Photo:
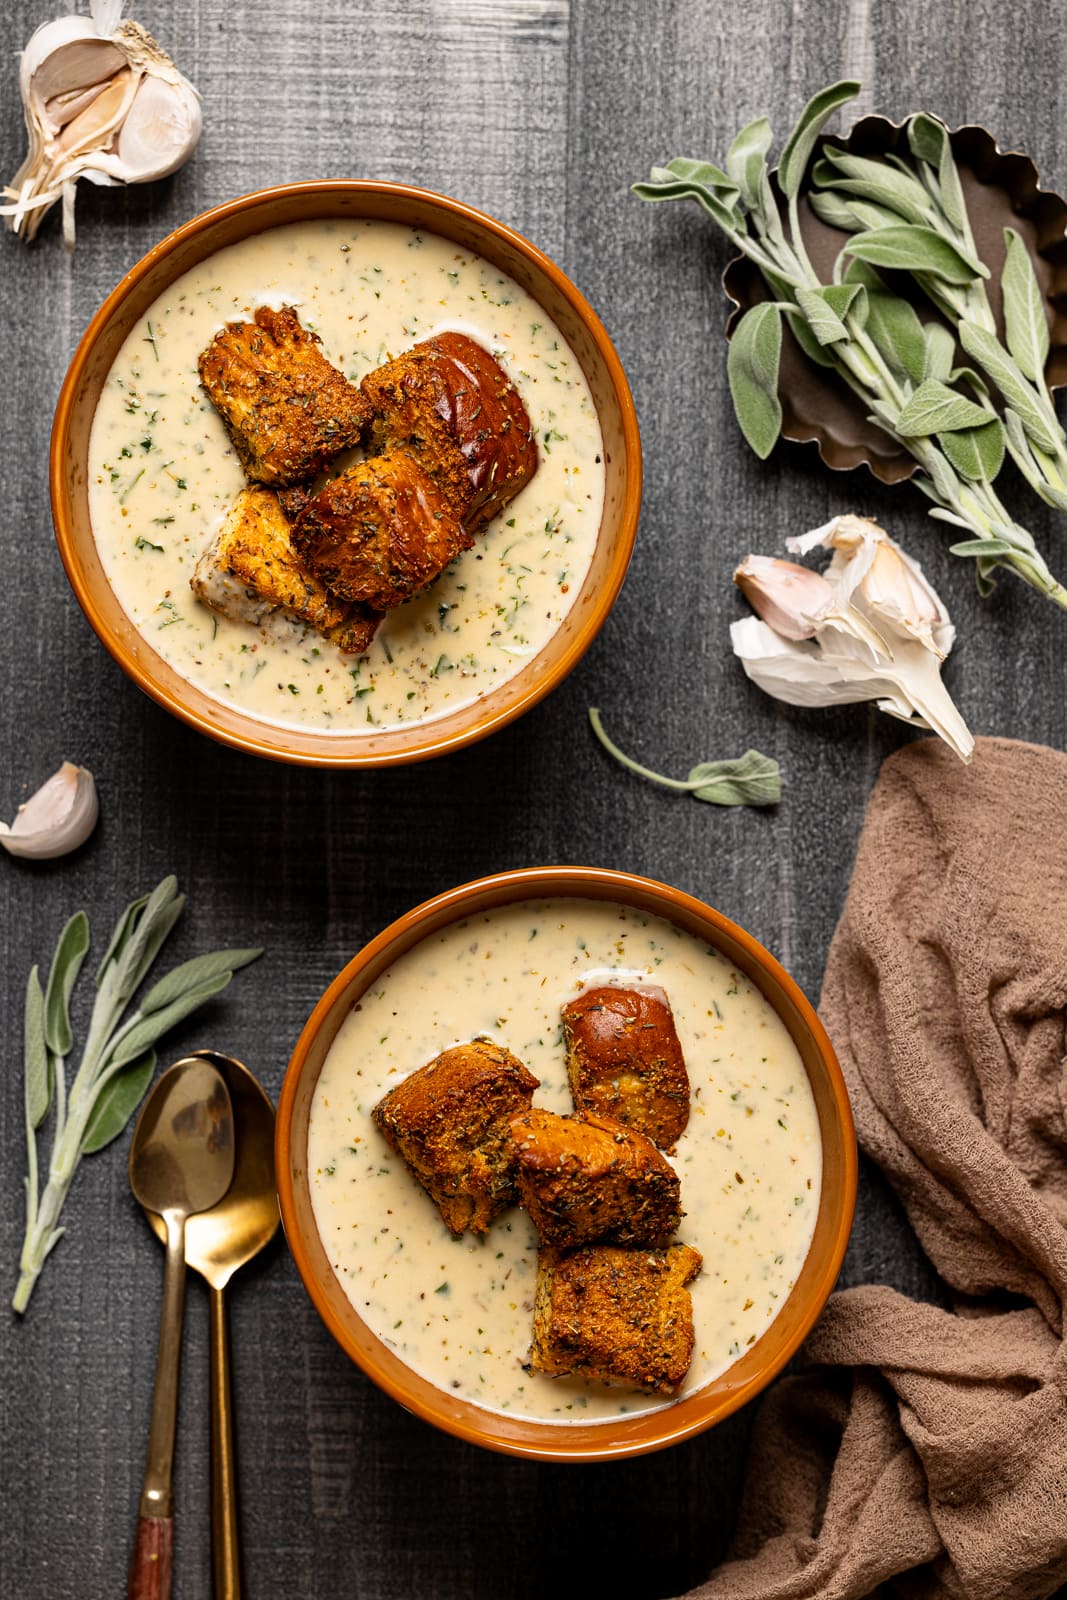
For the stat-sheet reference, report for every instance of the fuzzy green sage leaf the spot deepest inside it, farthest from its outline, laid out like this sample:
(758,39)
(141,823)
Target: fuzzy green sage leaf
(35,1054)
(804,137)
(752,369)
(66,964)
(976,453)
(910,248)
(1025,323)
(749,780)
(935,408)
(117,1102)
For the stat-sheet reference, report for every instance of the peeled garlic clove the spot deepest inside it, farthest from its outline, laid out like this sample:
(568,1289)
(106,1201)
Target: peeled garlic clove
(791,598)
(102,101)
(55,820)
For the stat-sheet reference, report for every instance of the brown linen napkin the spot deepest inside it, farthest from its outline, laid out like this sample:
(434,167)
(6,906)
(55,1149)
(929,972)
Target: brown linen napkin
(926,1454)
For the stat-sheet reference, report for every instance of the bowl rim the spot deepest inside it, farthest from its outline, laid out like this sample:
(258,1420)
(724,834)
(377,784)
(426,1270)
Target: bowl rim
(265,744)
(546,1440)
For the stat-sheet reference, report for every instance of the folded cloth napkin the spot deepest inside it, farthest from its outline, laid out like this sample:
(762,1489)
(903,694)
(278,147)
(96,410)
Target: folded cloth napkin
(926,1452)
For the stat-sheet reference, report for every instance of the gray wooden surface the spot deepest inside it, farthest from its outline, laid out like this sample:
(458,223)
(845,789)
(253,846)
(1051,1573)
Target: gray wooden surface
(541,112)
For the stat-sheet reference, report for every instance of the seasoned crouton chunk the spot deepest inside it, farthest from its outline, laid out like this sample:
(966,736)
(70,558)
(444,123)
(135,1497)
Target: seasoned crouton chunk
(615,1315)
(624,1060)
(449,403)
(379,532)
(251,571)
(587,1178)
(449,1121)
(287,410)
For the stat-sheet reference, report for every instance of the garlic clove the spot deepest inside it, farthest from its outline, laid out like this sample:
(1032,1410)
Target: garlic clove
(103,102)
(791,598)
(57,819)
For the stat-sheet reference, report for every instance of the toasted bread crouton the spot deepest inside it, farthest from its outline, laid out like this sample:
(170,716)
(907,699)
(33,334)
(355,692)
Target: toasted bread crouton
(287,410)
(615,1315)
(586,1178)
(449,1121)
(624,1060)
(379,532)
(448,402)
(251,571)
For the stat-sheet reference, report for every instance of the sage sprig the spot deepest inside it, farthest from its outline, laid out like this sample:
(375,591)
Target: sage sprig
(749,780)
(119,1056)
(898,213)
(902,371)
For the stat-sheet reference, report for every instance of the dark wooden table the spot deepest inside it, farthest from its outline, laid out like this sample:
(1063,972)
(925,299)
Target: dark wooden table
(542,113)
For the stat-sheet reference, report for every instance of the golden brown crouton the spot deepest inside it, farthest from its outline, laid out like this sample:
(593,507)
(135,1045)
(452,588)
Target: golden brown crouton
(616,1316)
(587,1178)
(379,532)
(449,1121)
(251,571)
(624,1060)
(449,403)
(287,410)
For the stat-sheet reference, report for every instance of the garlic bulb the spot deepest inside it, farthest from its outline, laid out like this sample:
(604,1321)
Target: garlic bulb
(869,628)
(103,102)
(55,820)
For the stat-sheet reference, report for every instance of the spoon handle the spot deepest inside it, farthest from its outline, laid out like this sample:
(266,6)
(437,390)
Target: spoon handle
(151,1569)
(224,1547)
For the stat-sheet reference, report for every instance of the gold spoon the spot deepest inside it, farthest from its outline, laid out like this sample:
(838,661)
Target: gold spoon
(181,1162)
(217,1243)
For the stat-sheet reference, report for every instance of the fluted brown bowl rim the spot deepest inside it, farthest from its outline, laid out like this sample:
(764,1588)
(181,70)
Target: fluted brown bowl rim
(194,242)
(519,1436)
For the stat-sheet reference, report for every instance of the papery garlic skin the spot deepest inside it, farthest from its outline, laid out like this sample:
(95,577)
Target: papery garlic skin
(881,636)
(101,101)
(57,819)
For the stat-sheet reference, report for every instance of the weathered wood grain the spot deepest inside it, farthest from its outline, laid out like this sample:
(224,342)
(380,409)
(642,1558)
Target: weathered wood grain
(542,112)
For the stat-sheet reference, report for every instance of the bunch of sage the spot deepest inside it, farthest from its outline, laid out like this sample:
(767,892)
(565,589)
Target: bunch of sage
(749,780)
(901,369)
(118,1059)
(905,215)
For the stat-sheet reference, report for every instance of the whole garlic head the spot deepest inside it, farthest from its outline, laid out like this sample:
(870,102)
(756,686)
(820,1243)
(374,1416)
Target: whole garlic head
(55,820)
(101,101)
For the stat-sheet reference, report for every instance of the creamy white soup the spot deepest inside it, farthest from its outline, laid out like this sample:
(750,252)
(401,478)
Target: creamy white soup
(163,474)
(459,1311)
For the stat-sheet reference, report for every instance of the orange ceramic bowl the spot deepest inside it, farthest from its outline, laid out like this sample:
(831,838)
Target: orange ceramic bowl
(302,202)
(618,1436)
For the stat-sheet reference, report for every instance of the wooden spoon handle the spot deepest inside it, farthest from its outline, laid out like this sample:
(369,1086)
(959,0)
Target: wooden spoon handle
(152,1566)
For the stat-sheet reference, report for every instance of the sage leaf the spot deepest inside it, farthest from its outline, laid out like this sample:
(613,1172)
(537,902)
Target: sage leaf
(870,216)
(929,140)
(153,929)
(982,548)
(752,369)
(749,780)
(886,186)
(976,453)
(801,142)
(145,1031)
(934,408)
(674,182)
(1025,322)
(116,1103)
(910,248)
(66,964)
(191,974)
(807,341)
(746,159)
(121,935)
(995,362)
(939,352)
(897,333)
(37,1074)
(825,309)
(832,210)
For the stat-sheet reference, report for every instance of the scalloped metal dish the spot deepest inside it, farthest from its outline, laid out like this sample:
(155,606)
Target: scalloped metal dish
(1002,189)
